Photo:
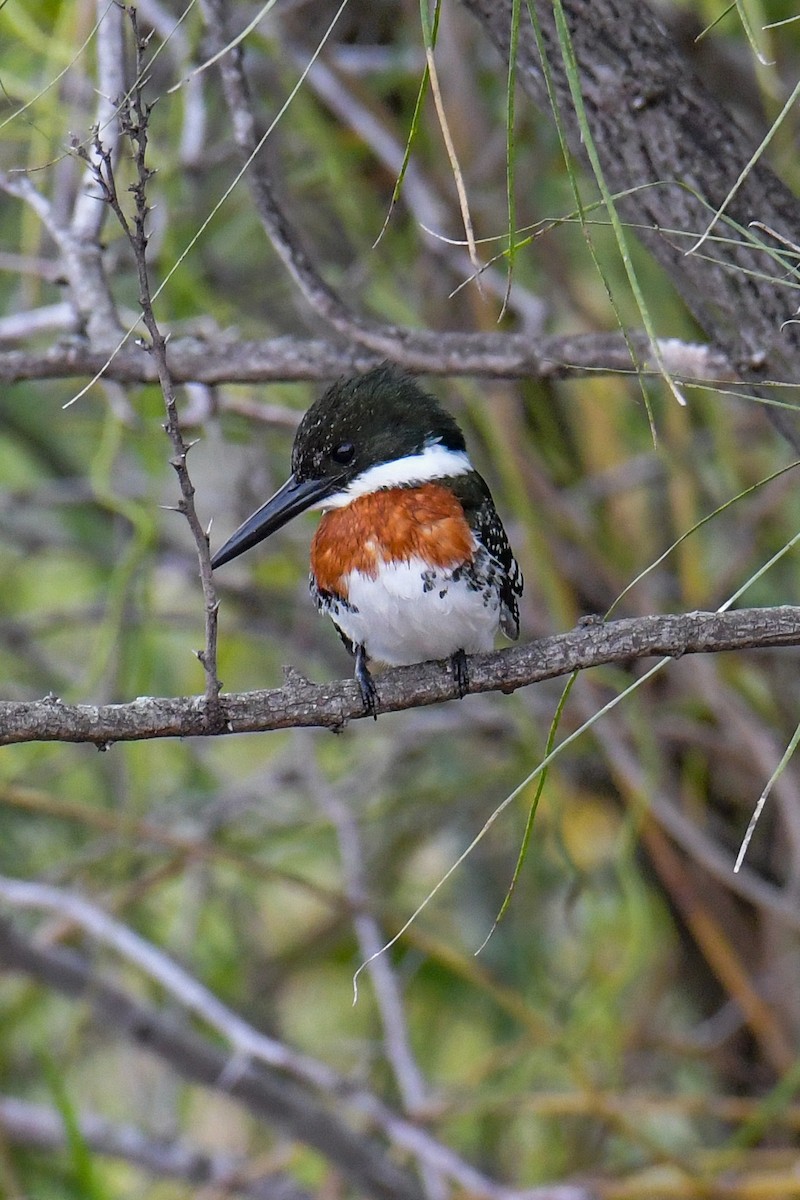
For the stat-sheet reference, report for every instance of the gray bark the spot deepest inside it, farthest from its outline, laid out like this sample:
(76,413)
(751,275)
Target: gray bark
(653,121)
(301,703)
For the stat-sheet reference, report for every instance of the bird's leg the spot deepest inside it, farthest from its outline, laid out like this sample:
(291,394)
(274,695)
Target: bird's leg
(460,668)
(368,692)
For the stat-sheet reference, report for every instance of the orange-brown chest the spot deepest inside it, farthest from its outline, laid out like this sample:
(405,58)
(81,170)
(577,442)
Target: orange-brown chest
(427,522)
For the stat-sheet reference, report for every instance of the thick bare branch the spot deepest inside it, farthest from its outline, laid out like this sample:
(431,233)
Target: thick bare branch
(491,355)
(332,705)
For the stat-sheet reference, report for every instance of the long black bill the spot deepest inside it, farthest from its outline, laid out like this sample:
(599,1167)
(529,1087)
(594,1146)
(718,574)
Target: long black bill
(289,501)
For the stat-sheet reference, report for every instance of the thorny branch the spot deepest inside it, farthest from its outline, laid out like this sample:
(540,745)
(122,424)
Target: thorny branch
(134,118)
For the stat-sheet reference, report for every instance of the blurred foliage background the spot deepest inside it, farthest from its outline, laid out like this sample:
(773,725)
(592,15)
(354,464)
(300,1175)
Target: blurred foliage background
(633,1022)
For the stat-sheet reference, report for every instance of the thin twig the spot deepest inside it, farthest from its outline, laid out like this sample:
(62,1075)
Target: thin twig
(134,118)
(455,166)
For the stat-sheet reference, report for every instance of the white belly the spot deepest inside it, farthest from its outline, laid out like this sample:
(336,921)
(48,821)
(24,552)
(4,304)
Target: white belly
(410,613)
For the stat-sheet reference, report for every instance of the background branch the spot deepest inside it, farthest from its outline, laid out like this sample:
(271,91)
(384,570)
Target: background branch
(38,1127)
(228,359)
(266,1093)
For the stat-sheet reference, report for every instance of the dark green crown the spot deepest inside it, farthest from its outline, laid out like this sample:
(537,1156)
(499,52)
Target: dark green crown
(374,418)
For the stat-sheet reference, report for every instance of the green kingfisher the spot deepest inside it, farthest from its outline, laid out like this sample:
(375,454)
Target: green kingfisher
(410,559)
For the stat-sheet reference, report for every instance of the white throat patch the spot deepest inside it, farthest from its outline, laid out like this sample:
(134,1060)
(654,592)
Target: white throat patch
(434,462)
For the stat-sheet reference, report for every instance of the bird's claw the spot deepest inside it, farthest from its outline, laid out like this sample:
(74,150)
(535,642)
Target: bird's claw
(460,668)
(369,693)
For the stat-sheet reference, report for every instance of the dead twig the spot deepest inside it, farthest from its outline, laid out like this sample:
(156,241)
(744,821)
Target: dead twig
(134,118)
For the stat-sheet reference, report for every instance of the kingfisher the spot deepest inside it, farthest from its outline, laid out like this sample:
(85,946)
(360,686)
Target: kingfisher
(410,559)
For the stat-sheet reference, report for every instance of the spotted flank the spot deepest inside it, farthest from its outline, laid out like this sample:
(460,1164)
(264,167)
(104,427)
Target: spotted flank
(490,532)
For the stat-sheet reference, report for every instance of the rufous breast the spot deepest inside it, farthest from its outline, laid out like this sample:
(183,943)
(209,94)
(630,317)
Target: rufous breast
(393,524)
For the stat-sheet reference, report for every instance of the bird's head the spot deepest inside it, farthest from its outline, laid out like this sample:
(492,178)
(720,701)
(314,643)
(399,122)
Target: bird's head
(374,431)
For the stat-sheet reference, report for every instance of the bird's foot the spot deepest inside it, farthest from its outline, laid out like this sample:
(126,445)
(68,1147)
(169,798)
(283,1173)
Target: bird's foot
(365,681)
(460,669)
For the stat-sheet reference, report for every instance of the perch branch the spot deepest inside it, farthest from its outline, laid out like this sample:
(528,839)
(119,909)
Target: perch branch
(331,705)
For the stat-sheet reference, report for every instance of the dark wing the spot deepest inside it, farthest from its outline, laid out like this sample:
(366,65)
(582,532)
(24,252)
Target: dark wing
(485,521)
(329,604)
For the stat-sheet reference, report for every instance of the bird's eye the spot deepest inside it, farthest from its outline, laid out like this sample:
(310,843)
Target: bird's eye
(344,453)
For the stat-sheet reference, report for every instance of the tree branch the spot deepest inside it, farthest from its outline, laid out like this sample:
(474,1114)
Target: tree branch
(226,359)
(36,1125)
(331,705)
(247,1042)
(264,1092)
